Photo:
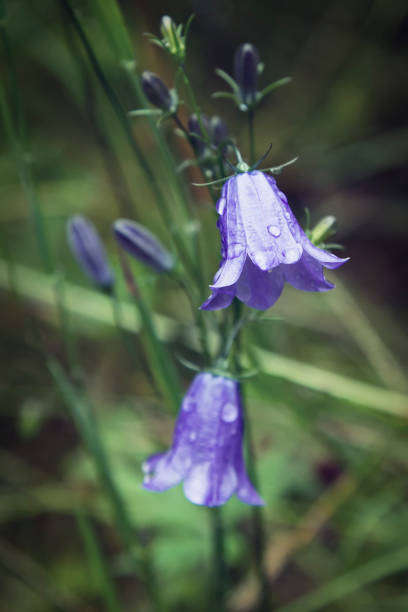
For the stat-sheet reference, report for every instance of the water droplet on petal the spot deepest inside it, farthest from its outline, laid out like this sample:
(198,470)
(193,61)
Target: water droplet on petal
(188,404)
(283,197)
(235,249)
(274,230)
(229,412)
(222,202)
(291,255)
(287,214)
(193,436)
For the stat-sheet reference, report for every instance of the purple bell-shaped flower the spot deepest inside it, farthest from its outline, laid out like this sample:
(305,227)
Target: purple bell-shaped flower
(206,453)
(263,246)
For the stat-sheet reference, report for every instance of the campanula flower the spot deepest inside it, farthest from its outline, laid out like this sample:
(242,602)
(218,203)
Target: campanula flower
(263,246)
(206,453)
(143,245)
(89,251)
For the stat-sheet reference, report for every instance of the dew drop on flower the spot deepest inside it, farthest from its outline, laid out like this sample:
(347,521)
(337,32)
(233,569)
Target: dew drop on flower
(291,255)
(188,404)
(229,412)
(274,230)
(193,436)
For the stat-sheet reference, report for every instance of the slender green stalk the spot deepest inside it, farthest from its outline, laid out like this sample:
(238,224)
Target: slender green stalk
(163,369)
(66,333)
(258,527)
(251,136)
(219,566)
(97,564)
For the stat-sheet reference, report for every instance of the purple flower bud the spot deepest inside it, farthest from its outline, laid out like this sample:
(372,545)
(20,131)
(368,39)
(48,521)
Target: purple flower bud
(156,91)
(219,131)
(246,61)
(88,249)
(142,244)
(194,127)
(207,447)
(263,246)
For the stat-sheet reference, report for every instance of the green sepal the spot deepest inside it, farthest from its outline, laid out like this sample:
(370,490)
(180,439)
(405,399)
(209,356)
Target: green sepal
(144,112)
(267,90)
(228,79)
(190,365)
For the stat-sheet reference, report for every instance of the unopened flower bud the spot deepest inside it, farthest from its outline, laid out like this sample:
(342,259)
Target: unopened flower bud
(143,245)
(173,38)
(219,131)
(88,250)
(246,61)
(196,134)
(156,91)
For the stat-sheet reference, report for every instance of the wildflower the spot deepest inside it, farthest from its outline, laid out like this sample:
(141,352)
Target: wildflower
(206,453)
(157,92)
(88,249)
(142,244)
(263,246)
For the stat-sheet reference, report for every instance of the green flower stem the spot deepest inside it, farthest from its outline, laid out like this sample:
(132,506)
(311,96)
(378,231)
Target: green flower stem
(193,102)
(251,136)
(87,425)
(97,564)
(258,528)
(162,366)
(218,547)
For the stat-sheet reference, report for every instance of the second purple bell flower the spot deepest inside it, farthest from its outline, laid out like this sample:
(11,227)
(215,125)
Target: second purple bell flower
(263,246)
(206,453)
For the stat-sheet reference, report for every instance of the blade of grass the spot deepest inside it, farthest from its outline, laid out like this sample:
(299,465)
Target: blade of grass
(97,564)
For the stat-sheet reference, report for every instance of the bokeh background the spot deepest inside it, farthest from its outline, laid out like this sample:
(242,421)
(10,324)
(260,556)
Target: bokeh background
(329,407)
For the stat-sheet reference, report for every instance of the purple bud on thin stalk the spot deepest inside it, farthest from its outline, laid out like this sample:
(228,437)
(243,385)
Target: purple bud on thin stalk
(246,61)
(219,131)
(263,246)
(143,245)
(89,251)
(206,453)
(196,133)
(156,91)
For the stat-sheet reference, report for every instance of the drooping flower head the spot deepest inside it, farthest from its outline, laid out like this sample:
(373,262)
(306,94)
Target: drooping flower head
(89,251)
(206,453)
(263,246)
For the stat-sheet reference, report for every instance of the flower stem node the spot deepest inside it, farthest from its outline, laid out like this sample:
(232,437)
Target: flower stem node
(263,246)
(143,245)
(206,453)
(89,251)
